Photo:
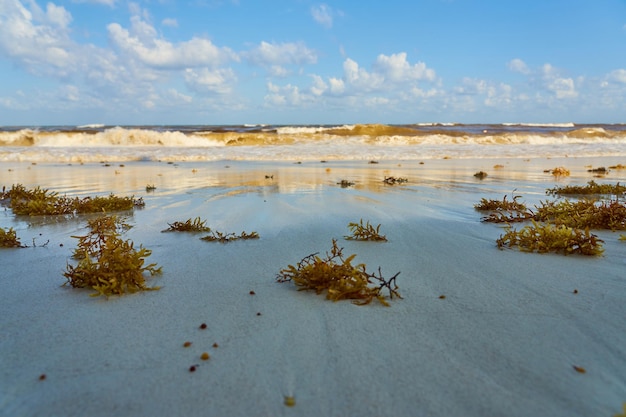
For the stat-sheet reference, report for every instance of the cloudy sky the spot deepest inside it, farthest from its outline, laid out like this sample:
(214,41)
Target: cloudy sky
(307,62)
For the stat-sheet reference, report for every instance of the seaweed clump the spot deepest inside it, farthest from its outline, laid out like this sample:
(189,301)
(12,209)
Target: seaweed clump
(592,187)
(560,226)
(365,231)
(107,263)
(586,213)
(9,239)
(544,238)
(345,183)
(395,180)
(559,172)
(195,225)
(216,236)
(39,201)
(504,211)
(341,280)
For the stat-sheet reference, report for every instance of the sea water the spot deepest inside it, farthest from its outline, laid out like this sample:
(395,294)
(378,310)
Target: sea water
(96,143)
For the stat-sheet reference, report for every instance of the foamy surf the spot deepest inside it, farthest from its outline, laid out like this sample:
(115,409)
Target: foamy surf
(89,143)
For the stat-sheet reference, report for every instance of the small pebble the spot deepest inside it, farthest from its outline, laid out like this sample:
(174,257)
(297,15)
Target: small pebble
(186,344)
(205,356)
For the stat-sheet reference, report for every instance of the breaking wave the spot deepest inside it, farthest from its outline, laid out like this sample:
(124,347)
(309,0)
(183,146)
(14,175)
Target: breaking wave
(266,142)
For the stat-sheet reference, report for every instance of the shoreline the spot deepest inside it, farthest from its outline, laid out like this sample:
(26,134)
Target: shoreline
(503,341)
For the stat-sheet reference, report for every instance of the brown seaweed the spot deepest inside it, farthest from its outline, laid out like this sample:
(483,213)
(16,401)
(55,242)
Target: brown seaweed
(9,239)
(365,231)
(592,187)
(107,263)
(38,201)
(216,236)
(341,280)
(550,238)
(195,225)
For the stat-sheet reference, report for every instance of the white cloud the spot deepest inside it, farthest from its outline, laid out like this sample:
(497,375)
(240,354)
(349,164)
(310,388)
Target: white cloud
(217,81)
(563,88)
(337,86)
(271,54)
(471,86)
(547,78)
(170,22)
(142,43)
(617,76)
(517,65)
(323,15)
(58,16)
(286,95)
(360,78)
(175,96)
(110,3)
(38,40)
(319,86)
(395,68)
(389,73)
(70,93)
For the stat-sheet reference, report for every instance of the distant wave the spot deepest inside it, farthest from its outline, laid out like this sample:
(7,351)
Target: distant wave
(541,124)
(263,142)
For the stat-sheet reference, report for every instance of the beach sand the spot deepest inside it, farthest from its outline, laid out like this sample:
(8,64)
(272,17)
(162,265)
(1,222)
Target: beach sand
(504,341)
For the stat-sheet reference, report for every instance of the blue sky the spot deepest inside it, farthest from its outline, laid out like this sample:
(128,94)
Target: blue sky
(308,62)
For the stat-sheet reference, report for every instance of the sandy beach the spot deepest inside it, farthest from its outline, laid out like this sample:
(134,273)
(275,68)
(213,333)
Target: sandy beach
(510,337)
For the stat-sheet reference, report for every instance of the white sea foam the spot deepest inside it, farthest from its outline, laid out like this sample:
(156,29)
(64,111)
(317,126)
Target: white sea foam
(541,124)
(306,143)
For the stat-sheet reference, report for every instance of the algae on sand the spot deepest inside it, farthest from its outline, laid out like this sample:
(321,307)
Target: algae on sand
(107,263)
(341,280)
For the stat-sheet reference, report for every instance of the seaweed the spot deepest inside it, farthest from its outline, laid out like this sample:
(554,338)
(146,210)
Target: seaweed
(216,236)
(544,238)
(504,211)
(591,188)
(195,225)
(345,183)
(500,205)
(395,180)
(559,172)
(9,239)
(107,263)
(365,231)
(585,213)
(38,201)
(341,280)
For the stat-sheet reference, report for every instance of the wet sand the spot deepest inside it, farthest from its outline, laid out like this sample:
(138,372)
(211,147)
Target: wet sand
(507,338)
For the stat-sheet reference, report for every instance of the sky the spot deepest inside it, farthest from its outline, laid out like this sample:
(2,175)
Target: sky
(119,62)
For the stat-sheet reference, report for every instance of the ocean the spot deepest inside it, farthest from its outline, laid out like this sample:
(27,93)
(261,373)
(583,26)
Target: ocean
(97,143)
